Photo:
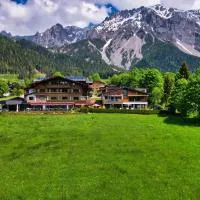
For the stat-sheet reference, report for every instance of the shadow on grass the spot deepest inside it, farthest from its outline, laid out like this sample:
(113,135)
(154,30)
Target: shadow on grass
(180,120)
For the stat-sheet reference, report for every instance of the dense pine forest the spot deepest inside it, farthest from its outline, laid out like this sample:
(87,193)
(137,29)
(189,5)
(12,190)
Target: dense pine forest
(23,57)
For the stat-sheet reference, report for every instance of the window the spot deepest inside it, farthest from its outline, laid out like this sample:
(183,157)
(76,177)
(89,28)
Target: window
(53,98)
(118,98)
(66,90)
(135,98)
(31,98)
(65,98)
(52,90)
(125,92)
(76,90)
(131,99)
(42,90)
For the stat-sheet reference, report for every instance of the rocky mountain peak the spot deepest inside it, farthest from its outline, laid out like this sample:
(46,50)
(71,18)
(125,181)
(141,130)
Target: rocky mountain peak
(57,26)
(4,33)
(58,35)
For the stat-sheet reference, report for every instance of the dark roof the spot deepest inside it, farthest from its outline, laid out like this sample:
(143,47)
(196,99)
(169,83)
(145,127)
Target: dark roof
(114,87)
(136,90)
(78,79)
(55,78)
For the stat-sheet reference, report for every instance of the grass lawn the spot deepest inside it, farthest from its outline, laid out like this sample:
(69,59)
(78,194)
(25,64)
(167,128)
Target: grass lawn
(98,156)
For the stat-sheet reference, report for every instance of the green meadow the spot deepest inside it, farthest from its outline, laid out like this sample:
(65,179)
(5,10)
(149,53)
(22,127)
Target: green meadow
(98,157)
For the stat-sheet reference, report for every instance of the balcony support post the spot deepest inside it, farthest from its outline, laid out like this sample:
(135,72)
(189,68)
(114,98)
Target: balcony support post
(44,107)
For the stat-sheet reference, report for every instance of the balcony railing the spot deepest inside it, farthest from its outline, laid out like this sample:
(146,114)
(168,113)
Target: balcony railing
(112,101)
(125,102)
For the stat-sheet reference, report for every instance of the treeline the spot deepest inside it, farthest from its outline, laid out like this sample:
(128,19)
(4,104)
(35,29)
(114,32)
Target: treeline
(175,92)
(23,57)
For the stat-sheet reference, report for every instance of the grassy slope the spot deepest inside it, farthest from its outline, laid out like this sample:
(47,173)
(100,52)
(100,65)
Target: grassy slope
(98,156)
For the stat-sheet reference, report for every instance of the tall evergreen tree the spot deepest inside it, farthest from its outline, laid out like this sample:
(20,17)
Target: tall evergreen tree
(184,71)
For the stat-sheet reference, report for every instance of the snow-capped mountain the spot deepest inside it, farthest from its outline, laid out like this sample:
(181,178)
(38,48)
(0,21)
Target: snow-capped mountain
(127,33)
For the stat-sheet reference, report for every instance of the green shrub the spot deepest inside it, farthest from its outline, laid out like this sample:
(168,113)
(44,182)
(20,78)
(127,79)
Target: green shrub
(123,111)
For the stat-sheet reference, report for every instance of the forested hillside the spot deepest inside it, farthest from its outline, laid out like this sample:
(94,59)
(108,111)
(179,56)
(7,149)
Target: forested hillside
(165,56)
(23,57)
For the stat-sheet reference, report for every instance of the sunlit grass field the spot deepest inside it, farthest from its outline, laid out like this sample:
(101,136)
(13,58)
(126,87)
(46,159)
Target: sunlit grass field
(98,156)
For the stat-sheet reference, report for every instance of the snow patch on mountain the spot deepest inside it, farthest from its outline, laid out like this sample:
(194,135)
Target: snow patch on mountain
(103,53)
(162,12)
(187,48)
(116,22)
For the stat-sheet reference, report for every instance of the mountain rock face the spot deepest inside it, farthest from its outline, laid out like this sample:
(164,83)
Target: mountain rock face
(58,36)
(128,32)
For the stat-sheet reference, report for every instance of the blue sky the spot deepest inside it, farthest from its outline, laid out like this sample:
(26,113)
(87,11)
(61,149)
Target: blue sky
(20,1)
(112,9)
(26,17)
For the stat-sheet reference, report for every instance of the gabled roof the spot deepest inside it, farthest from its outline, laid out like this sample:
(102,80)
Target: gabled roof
(32,85)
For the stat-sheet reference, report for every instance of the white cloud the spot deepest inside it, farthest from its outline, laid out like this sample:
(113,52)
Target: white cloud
(182,4)
(196,5)
(129,4)
(38,15)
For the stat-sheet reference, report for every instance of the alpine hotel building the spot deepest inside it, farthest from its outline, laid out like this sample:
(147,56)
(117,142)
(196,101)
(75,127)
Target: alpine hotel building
(64,94)
(58,93)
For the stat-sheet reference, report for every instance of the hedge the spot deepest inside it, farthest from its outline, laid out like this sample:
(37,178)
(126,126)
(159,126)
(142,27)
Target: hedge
(123,111)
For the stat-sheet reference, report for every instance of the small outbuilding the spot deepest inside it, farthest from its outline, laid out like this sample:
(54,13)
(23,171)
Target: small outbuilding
(13,104)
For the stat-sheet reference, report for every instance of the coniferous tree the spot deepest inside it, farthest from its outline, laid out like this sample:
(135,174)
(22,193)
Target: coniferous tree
(184,71)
